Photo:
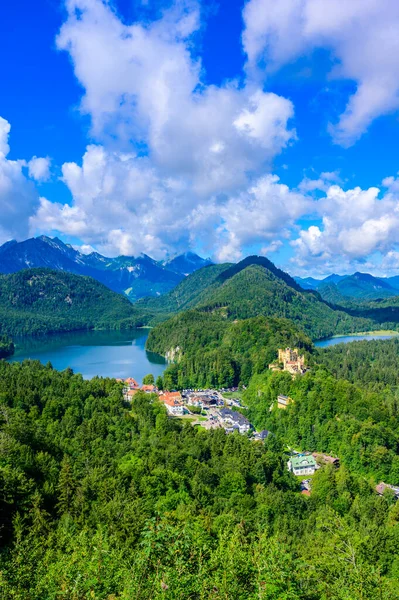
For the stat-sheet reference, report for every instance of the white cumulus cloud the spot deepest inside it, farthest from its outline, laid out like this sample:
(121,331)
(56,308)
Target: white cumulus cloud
(171,152)
(355,224)
(39,168)
(18,196)
(362,35)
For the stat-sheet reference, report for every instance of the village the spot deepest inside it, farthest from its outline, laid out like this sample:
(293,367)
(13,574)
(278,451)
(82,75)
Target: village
(210,409)
(220,409)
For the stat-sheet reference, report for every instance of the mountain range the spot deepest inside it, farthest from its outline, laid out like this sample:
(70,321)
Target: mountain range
(358,285)
(142,276)
(36,300)
(133,276)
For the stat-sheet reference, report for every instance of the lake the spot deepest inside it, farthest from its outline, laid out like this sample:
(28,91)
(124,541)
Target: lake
(345,339)
(103,353)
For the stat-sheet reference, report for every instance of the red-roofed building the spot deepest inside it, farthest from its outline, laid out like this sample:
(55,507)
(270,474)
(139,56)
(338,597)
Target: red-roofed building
(382,487)
(131,383)
(325,459)
(149,389)
(128,395)
(173,402)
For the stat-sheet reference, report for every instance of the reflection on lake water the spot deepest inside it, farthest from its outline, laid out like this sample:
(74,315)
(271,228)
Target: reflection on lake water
(103,353)
(345,339)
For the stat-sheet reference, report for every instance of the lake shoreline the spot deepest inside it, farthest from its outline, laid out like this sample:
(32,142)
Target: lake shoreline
(377,333)
(381,334)
(103,353)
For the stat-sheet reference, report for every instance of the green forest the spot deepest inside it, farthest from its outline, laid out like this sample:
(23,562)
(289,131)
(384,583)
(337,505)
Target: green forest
(112,501)
(6,347)
(355,422)
(215,352)
(255,287)
(368,362)
(40,301)
(104,499)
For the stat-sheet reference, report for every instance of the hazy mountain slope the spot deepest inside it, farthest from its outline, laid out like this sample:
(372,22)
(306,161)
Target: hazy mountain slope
(187,294)
(39,252)
(393,281)
(358,285)
(187,263)
(37,301)
(136,277)
(331,294)
(363,285)
(310,283)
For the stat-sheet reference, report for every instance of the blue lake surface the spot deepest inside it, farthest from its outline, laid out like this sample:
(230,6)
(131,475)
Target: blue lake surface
(345,339)
(103,353)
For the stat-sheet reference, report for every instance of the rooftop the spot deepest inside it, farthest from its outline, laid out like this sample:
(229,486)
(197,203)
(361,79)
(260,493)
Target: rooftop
(302,462)
(227,413)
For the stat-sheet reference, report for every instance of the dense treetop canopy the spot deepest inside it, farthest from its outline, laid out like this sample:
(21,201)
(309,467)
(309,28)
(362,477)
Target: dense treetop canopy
(37,301)
(105,500)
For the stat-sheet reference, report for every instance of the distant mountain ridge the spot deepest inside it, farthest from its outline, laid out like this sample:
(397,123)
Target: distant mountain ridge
(136,277)
(358,285)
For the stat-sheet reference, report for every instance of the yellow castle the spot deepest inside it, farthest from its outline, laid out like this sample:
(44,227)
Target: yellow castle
(292,361)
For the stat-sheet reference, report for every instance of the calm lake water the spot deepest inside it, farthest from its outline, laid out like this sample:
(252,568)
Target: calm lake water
(103,353)
(345,339)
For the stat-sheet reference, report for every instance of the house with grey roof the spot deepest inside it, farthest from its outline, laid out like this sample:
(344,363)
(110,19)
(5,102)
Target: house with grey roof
(234,420)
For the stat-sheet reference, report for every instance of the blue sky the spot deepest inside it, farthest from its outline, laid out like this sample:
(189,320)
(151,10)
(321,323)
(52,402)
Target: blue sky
(225,127)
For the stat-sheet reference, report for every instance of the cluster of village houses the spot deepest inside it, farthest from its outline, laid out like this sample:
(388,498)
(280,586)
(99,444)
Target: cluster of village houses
(217,409)
(220,414)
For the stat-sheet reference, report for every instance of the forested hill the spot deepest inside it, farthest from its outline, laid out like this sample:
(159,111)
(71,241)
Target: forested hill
(212,351)
(101,500)
(37,301)
(256,287)
(186,295)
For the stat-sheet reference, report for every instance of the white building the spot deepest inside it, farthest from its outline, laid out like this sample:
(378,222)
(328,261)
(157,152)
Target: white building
(302,465)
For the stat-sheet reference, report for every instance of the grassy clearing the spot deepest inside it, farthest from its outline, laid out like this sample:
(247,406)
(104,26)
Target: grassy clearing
(377,332)
(232,395)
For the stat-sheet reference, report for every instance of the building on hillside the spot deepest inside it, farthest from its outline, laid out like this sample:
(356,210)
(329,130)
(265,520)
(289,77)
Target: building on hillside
(325,459)
(208,400)
(382,487)
(173,403)
(291,360)
(261,435)
(301,464)
(306,485)
(195,401)
(283,401)
(128,394)
(274,367)
(233,420)
(131,383)
(149,389)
